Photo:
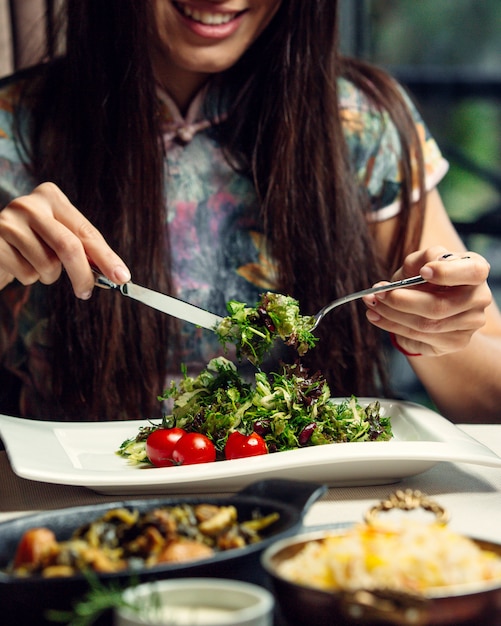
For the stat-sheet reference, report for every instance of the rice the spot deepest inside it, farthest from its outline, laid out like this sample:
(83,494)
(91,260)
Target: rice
(405,556)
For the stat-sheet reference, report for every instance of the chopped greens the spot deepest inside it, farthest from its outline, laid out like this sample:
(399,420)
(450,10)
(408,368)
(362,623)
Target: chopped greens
(290,409)
(254,329)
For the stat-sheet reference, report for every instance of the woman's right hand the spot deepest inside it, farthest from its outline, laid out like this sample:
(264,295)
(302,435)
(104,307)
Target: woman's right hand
(42,233)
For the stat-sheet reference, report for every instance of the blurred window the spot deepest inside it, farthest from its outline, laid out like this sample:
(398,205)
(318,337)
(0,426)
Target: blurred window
(448,54)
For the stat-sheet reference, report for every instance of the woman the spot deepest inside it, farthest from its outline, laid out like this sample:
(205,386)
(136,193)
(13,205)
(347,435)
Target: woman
(219,149)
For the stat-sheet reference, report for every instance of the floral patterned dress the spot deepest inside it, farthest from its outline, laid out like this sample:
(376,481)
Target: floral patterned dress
(216,238)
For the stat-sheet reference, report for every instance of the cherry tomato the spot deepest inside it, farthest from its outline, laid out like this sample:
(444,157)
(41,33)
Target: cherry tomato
(160,444)
(193,448)
(239,446)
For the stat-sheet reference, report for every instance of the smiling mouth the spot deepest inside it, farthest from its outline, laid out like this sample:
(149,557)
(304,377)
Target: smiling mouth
(205,17)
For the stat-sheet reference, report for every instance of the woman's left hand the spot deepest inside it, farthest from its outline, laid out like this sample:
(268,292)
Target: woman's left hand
(440,316)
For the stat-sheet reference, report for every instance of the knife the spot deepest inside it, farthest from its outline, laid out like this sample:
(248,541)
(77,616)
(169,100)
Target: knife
(159,301)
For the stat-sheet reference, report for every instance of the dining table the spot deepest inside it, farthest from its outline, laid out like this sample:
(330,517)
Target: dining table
(470,493)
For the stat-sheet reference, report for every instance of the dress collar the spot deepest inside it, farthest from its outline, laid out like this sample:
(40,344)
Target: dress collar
(180,130)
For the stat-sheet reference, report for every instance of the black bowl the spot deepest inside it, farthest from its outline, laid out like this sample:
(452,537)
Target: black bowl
(25,600)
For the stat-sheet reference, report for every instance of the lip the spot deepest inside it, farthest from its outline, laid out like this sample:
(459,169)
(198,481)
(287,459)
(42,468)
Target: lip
(210,31)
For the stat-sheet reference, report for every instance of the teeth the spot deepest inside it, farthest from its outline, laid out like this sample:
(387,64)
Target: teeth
(205,17)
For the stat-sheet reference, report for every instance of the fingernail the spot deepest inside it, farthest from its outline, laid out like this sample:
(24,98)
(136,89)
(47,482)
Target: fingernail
(426,272)
(122,274)
(85,295)
(373,316)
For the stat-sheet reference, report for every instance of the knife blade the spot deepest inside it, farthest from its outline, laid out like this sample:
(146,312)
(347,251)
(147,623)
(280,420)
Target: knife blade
(161,302)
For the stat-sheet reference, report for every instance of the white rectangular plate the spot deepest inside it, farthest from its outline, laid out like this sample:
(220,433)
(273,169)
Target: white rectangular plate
(83,453)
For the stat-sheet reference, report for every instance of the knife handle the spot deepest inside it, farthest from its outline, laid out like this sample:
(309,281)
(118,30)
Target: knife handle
(101,281)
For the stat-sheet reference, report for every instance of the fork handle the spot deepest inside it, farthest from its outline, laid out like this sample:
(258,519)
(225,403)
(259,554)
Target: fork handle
(406,282)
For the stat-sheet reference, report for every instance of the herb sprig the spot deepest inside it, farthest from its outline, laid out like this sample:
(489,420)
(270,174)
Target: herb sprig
(98,600)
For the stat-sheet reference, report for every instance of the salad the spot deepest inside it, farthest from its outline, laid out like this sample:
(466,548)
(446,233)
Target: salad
(253,330)
(218,415)
(286,410)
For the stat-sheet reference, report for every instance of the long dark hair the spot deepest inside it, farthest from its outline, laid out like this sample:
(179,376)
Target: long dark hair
(95,134)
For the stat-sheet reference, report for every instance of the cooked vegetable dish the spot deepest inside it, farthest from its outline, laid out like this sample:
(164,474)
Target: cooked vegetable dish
(124,538)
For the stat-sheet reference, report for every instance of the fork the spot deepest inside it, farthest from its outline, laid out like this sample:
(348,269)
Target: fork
(406,282)
(195,315)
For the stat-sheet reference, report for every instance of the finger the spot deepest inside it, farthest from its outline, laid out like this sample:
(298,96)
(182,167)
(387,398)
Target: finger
(443,344)
(92,241)
(373,299)
(15,265)
(418,326)
(25,255)
(414,261)
(417,334)
(432,302)
(452,269)
(39,245)
(429,343)
(432,305)
(60,234)
(5,279)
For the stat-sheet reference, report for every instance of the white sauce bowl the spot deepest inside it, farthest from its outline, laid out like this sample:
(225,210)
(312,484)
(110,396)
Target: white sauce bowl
(197,602)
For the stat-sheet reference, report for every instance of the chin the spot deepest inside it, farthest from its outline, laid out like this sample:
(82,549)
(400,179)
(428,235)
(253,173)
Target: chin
(209,66)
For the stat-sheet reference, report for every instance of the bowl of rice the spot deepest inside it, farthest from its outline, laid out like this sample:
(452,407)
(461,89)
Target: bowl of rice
(391,570)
